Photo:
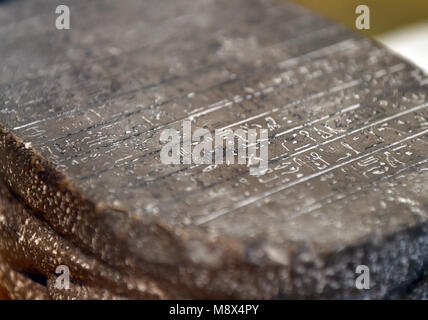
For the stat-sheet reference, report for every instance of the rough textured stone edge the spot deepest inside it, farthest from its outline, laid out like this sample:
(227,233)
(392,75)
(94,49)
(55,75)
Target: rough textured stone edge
(309,273)
(162,254)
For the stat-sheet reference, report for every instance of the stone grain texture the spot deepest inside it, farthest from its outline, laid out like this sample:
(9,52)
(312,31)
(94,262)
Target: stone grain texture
(82,184)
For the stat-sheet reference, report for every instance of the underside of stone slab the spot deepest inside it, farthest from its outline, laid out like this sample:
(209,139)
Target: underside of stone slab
(82,183)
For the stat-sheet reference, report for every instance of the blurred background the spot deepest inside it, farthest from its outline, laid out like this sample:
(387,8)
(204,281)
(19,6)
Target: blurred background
(401,25)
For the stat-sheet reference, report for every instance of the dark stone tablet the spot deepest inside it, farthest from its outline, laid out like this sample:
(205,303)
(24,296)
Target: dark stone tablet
(83,185)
